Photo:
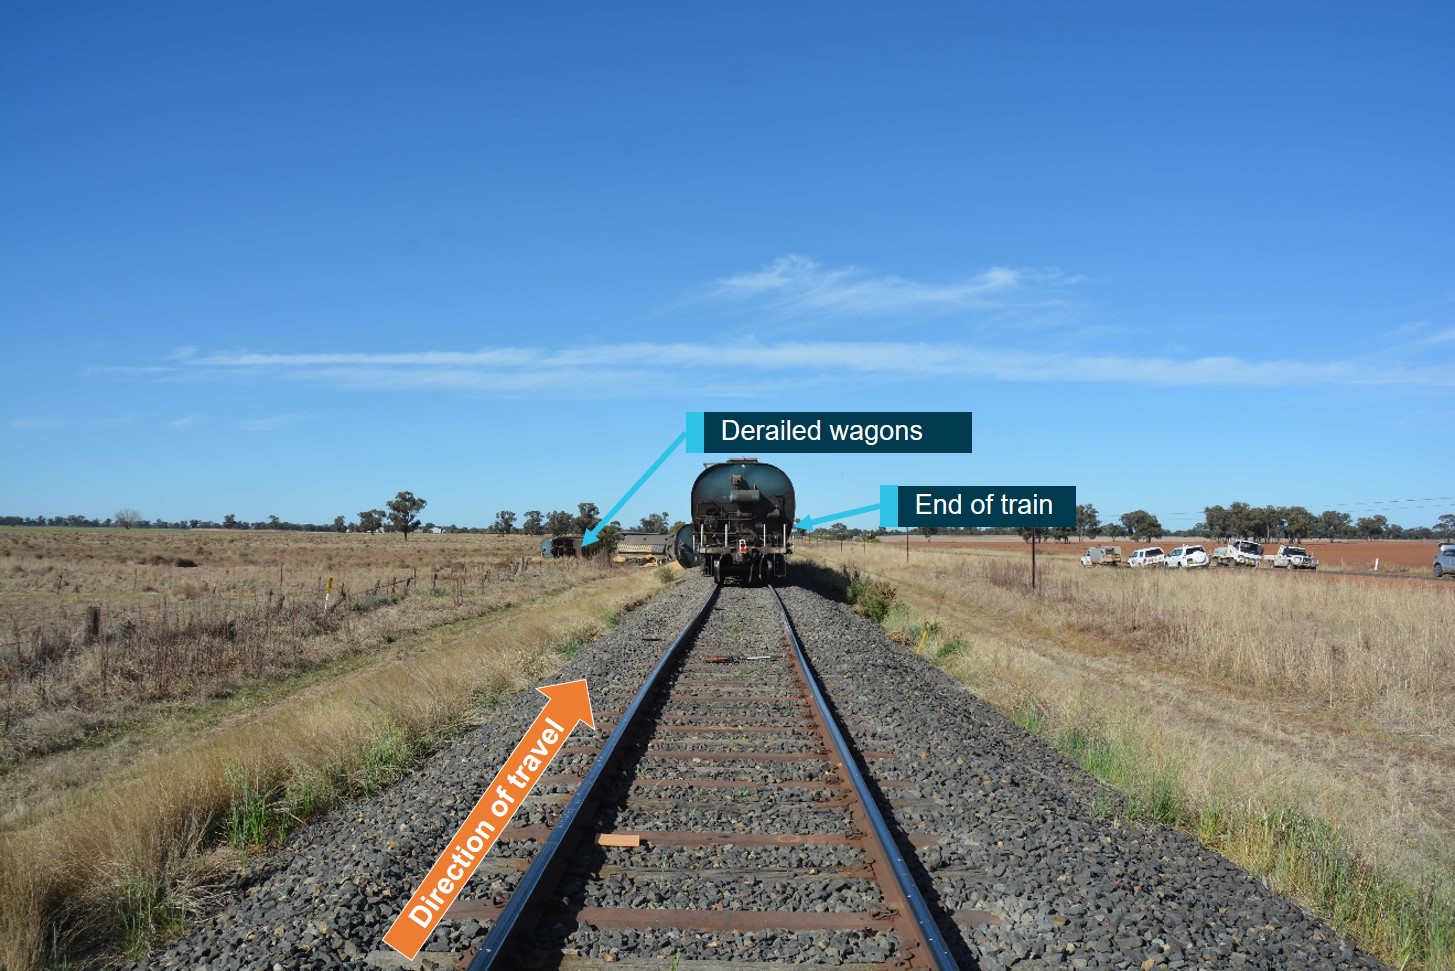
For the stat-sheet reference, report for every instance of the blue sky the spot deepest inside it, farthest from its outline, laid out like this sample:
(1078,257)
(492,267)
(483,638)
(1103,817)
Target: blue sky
(292,258)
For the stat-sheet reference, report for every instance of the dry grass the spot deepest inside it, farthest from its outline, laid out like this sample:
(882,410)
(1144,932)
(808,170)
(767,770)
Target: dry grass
(100,646)
(1299,725)
(124,859)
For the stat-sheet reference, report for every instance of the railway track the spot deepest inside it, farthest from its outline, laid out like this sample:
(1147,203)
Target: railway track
(740,847)
(727,807)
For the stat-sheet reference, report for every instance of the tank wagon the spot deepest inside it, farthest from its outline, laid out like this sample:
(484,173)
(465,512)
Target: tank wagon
(686,555)
(742,520)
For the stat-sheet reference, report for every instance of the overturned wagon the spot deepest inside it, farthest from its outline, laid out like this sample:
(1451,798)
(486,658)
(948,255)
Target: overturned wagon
(742,520)
(645,548)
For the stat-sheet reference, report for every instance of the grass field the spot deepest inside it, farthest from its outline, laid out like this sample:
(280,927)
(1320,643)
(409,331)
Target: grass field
(104,630)
(159,753)
(1301,727)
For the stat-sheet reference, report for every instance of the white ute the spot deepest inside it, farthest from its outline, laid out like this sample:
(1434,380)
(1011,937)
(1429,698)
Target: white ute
(1445,560)
(1239,553)
(1150,556)
(1187,557)
(1294,558)
(1102,556)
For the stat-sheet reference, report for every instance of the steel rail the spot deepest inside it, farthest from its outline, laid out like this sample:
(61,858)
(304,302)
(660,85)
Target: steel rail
(924,918)
(549,861)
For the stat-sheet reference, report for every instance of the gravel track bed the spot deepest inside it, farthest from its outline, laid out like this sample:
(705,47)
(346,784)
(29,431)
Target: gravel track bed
(745,892)
(1021,839)
(742,625)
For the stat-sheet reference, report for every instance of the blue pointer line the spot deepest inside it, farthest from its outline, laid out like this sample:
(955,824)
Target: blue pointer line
(590,536)
(809,522)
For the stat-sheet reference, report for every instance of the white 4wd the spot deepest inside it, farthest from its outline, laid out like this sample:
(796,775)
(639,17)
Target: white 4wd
(1295,558)
(1150,556)
(1445,560)
(1187,557)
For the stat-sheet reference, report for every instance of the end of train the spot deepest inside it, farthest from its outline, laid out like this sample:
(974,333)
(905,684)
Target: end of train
(742,521)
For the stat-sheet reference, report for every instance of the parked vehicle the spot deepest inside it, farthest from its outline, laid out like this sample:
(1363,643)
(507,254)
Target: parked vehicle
(1239,553)
(1187,557)
(1294,558)
(1102,556)
(1150,556)
(1445,560)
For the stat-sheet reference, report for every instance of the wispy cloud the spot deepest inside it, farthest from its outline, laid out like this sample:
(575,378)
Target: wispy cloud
(797,284)
(186,421)
(736,368)
(268,424)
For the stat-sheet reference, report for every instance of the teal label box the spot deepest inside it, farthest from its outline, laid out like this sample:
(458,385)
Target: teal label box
(862,432)
(1021,507)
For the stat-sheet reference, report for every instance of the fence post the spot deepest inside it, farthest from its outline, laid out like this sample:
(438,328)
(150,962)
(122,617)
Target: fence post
(93,624)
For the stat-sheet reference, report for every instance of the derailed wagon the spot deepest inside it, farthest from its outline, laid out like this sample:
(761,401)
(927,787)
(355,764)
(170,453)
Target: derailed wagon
(742,520)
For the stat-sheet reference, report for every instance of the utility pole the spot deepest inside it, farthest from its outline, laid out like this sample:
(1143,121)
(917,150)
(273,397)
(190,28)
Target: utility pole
(1035,534)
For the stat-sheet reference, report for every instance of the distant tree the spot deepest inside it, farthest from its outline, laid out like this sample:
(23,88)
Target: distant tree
(560,523)
(533,525)
(402,510)
(127,518)
(588,516)
(1240,520)
(1298,523)
(1445,526)
(1062,534)
(339,524)
(1371,527)
(839,531)
(274,522)
(1266,522)
(371,520)
(1088,521)
(1141,525)
(678,524)
(504,522)
(655,523)
(229,521)
(1334,524)
(928,532)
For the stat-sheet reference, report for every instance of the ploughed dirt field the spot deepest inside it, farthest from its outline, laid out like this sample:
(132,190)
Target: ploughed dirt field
(1351,555)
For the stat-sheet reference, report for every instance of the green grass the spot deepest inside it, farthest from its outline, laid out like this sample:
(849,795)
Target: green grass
(248,815)
(872,598)
(148,913)
(386,755)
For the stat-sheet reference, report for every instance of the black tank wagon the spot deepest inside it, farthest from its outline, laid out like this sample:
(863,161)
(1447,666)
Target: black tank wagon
(742,520)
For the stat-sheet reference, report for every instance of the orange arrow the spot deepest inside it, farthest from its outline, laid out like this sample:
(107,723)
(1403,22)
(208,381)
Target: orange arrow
(569,703)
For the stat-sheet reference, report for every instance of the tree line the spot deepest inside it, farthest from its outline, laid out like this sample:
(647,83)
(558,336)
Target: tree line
(399,515)
(1237,520)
